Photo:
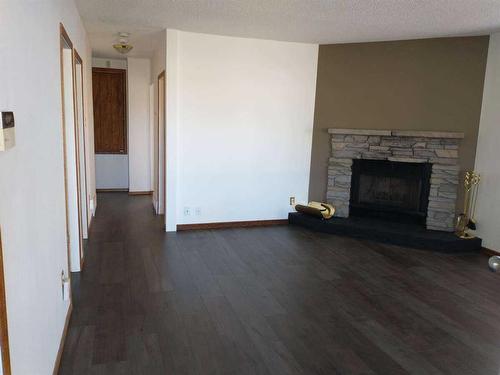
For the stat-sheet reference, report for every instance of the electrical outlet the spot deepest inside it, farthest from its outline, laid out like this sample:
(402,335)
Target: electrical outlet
(187,211)
(292,201)
(198,211)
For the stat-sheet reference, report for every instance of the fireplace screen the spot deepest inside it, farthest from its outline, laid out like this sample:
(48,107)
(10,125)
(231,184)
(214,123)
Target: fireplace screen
(390,190)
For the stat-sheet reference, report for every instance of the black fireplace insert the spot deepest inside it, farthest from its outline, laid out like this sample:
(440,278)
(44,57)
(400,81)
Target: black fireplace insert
(390,190)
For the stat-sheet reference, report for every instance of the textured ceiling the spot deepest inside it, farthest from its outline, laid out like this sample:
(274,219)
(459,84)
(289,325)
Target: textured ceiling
(313,21)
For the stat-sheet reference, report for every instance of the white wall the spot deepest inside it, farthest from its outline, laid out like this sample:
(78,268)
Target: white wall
(111,169)
(239,126)
(488,152)
(99,62)
(89,132)
(138,77)
(158,65)
(32,208)
(171,132)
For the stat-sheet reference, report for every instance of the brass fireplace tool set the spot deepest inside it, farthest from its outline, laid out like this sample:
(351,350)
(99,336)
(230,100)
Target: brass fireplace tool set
(466,221)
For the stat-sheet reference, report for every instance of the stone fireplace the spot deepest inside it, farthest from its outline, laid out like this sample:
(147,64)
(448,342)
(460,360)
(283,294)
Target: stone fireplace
(396,175)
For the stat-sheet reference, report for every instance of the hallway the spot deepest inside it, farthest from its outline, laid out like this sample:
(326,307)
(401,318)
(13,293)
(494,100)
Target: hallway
(277,300)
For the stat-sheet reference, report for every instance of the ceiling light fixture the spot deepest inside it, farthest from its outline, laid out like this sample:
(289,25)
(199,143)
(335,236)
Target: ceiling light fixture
(123,45)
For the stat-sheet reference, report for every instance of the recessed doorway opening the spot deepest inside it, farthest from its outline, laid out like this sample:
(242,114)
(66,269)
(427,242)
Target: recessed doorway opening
(71,157)
(161,148)
(80,141)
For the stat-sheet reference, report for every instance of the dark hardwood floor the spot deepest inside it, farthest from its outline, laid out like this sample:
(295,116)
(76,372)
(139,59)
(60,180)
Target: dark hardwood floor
(276,300)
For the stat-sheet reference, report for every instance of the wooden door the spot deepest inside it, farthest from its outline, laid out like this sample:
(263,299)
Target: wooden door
(109,93)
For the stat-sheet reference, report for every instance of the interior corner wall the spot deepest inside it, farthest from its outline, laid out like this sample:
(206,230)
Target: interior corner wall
(488,152)
(32,199)
(425,84)
(172,162)
(241,113)
(138,76)
(111,170)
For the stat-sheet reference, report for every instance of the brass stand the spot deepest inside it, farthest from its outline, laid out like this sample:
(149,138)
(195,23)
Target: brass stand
(466,220)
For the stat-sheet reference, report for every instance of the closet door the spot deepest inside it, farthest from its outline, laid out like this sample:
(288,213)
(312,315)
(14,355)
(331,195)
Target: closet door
(110,122)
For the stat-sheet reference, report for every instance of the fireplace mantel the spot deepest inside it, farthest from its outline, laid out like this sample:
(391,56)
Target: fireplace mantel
(439,148)
(399,133)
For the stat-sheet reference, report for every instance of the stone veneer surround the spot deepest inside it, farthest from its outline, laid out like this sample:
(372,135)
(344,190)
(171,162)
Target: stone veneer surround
(439,148)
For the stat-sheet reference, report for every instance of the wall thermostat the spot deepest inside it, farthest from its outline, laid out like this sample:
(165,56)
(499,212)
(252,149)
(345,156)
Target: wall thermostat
(7,132)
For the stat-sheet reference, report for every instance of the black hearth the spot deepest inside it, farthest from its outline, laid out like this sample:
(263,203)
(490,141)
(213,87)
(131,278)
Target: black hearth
(390,190)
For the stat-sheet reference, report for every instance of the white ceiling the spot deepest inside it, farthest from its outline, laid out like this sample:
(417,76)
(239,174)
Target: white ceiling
(313,21)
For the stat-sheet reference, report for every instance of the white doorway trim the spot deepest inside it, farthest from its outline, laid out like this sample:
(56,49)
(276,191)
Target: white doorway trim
(161,144)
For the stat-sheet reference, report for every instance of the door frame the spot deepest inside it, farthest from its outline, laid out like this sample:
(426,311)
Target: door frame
(160,142)
(152,145)
(78,60)
(4,330)
(66,41)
